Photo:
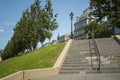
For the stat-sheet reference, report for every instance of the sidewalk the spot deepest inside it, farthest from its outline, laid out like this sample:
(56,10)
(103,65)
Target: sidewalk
(101,76)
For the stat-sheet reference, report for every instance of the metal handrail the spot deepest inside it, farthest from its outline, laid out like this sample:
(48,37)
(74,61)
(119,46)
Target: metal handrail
(90,54)
(97,54)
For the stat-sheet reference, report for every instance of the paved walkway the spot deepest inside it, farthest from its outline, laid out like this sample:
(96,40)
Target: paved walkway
(101,76)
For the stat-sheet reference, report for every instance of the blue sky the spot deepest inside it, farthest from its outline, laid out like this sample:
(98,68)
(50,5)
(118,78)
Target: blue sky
(11,11)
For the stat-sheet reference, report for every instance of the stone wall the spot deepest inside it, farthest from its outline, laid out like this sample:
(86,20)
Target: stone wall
(117,38)
(15,76)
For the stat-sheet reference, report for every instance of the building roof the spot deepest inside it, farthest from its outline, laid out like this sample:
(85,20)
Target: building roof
(84,15)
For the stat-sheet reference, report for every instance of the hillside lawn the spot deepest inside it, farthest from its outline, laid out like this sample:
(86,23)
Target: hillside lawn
(42,58)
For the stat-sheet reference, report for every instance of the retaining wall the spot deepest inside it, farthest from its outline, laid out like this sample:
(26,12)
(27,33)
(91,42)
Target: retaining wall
(14,76)
(117,38)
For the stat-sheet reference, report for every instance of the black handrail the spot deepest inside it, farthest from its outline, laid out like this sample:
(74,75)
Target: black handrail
(97,55)
(90,53)
(92,42)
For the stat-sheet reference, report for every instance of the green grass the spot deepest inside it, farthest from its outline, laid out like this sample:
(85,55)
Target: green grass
(42,58)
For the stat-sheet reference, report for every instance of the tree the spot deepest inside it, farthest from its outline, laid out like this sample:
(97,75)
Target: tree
(49,35)
(98,30)
(107,8)
(1,51)
(36,24)
(48,22)
(8,51)
(50,17)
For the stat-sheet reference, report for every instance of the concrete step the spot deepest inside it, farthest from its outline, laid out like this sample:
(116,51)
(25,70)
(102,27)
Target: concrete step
(105,70)
(69,72)
(75,68)
(76,65)
(75,62)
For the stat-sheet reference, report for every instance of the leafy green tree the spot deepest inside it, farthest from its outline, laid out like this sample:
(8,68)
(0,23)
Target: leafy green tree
(8,51)
(49,35)
(107,8)
(36,24)
(98,30)
(1,51)
(50,17)
(93,27)
(48,22)
(42,37)
(22,32)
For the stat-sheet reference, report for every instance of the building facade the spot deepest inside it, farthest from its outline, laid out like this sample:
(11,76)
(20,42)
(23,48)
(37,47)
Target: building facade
(84,19)
(117,30)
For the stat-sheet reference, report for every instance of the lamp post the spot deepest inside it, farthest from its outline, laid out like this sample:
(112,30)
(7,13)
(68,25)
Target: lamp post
(71,16)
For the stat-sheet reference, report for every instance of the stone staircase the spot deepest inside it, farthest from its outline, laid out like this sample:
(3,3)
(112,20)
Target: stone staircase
(78,58)
(109,51)
(76,61)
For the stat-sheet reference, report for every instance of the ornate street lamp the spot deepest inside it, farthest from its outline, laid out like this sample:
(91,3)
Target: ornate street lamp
(71,16)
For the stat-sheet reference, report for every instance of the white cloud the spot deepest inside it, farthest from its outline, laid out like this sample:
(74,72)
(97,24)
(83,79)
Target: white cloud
(8,23)
(1,30)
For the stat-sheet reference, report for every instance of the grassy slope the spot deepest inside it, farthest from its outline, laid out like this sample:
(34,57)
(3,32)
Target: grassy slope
(42,58)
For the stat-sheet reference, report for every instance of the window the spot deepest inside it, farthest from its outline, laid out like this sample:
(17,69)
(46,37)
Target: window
(89,14)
